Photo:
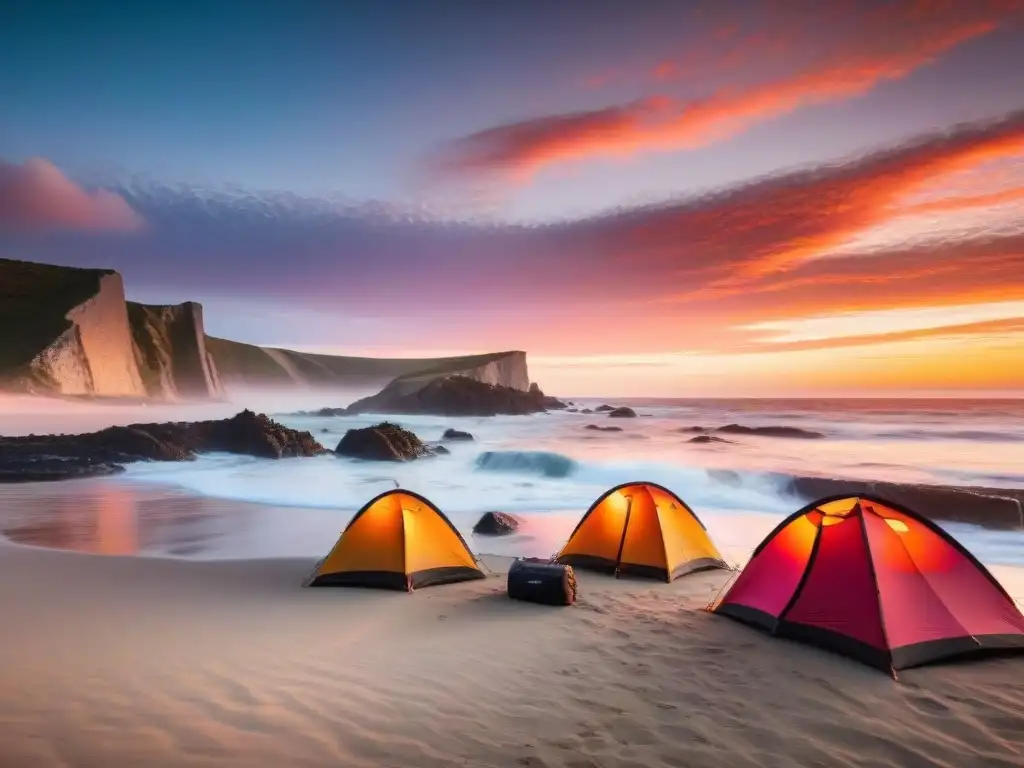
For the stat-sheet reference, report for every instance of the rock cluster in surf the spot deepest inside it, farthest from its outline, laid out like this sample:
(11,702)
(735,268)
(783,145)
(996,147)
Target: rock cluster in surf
(382,442)
(56,457)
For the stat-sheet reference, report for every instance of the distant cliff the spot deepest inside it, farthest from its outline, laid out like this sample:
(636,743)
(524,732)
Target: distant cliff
(171,354)
(247,365)
(70,331)
(64,331)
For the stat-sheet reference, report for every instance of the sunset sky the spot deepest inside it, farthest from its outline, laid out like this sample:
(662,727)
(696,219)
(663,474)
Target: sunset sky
(724,198)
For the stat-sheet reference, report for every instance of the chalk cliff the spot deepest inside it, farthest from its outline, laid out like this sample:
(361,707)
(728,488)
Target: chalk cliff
(64,331)
(171,354)
(247,365)
(70,331)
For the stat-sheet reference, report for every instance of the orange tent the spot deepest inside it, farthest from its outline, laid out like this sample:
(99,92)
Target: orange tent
(642,529)
(399,540)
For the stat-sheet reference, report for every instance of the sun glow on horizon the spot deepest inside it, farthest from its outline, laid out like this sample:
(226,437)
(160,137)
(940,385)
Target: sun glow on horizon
(887,321)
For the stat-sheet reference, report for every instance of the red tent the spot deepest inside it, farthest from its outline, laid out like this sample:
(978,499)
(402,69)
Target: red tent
(874,581)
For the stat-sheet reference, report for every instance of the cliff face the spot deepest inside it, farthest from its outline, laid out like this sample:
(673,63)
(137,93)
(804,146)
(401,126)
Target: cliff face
(64,331)
(69,331)
(171,354)
(249,365)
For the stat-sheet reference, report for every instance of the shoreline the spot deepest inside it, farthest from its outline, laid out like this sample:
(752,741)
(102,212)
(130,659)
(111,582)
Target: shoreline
(164,520)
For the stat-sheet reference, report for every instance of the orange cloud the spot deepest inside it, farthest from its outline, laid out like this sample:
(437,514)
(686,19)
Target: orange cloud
(518,150)
(729,242)
(690,274)
(36,195)
(963,203)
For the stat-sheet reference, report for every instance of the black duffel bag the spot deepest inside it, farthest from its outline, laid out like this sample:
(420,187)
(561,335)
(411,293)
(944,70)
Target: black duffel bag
(540,581)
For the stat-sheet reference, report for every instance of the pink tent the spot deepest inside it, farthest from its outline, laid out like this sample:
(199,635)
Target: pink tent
(874,581)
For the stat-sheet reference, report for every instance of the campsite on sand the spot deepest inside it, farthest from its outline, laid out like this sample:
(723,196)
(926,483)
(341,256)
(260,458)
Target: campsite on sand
(233,663)
(237,663)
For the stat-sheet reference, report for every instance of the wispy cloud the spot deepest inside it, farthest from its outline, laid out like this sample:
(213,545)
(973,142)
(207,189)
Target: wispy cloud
(692,274)
(886,321)
(36,195)
(887,45)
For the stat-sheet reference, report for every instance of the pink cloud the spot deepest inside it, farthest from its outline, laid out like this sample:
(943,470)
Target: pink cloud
(891,47)
(36,195)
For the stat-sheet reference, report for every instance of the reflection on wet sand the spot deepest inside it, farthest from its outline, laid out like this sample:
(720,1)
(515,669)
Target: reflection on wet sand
(114,516)
(108,518)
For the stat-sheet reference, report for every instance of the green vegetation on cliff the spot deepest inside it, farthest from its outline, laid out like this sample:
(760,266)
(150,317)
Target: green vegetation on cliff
(34,299)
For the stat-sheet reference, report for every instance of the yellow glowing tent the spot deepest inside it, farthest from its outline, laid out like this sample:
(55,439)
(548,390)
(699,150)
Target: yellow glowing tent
(399,540)
(641,529)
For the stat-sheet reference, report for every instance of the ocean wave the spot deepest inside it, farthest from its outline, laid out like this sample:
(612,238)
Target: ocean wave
(513,481)
(542,463)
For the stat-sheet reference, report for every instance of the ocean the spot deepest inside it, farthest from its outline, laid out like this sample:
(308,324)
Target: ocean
(546,468)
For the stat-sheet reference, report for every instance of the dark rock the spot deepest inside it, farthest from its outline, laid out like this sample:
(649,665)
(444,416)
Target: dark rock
(496,524)
(691,430)
(382,442)
(602,408)
(325,430)
(452,395)
(572,410)
(440,450)
(708,439)
(325,412)
(245,433)
(793,432)
(48,468)
(603,429)
(549,403)
(999,508)
(587,410)
(622,413)
(455,434)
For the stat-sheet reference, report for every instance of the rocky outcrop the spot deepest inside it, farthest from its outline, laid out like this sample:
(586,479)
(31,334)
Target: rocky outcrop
(171,352)
(788,432)
(60,456)
(989,507)
(703,439)
(496,524)
(456,434)
(622,413)
(382,442)
(549,403)
(455,395)
(64,331)
(597,428)
(738,429)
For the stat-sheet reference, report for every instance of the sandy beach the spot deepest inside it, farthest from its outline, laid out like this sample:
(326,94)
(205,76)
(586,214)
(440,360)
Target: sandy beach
(125,661)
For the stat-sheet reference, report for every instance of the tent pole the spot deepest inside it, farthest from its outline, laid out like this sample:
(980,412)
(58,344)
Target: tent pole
(622,541)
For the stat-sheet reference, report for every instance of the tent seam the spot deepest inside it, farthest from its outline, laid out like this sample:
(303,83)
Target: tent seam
(804,578)
(874,580)
(924,578)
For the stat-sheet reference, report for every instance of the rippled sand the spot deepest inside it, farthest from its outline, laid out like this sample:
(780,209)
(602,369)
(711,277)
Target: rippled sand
(126,661)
